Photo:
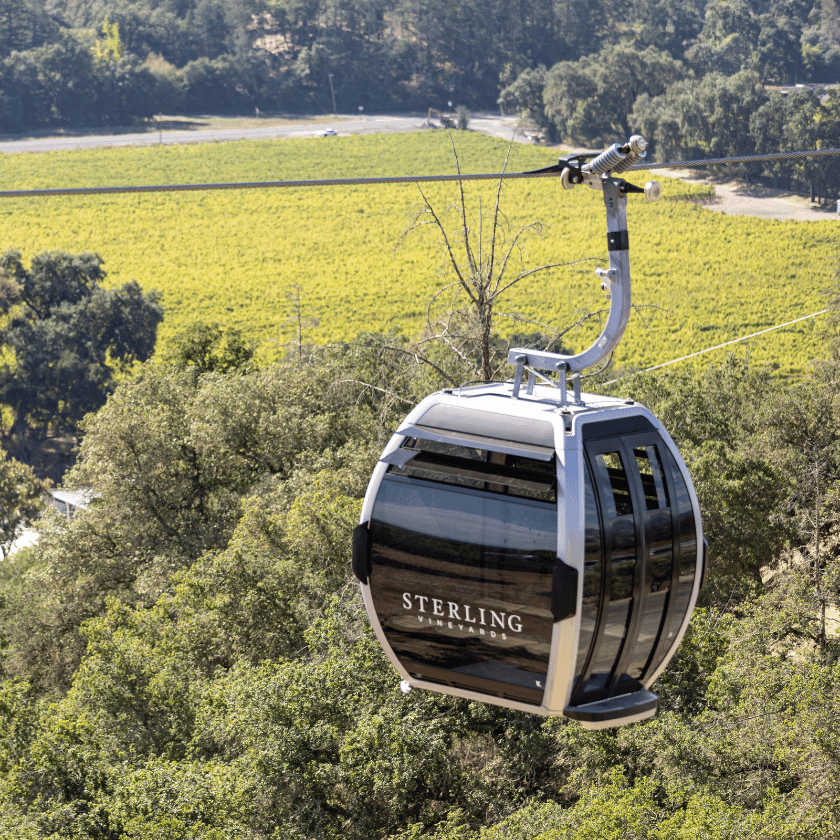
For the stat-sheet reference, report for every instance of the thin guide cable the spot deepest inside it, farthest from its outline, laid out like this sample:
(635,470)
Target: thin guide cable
(718,346)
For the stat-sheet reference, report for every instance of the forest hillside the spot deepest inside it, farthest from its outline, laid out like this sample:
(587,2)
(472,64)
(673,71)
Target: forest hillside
(696,77)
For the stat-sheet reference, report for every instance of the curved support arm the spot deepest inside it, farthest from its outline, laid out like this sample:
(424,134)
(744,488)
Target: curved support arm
(615,280)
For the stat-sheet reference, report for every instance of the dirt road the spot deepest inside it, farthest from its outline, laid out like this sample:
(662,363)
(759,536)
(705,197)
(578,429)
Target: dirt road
(740,199)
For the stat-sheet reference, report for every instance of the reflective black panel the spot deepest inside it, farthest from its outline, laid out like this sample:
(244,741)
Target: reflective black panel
(480,469)
(461,579)
(616,428)
(658,548)
(648,563)
(686,539)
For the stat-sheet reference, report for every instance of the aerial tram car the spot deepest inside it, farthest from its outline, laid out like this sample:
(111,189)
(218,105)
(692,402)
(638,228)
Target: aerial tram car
(529,545)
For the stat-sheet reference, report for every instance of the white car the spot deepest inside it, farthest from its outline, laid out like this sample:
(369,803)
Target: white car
(328,132)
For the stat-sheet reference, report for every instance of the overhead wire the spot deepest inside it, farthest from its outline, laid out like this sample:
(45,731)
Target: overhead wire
(551,172)
(256,185)
(687,164)
(717,346)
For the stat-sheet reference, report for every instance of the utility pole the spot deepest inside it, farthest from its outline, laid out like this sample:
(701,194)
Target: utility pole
(332,91)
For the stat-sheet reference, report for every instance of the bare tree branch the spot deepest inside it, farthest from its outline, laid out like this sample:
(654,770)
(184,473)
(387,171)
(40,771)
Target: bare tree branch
(466,230)
(582,320)
(448,246)
(514,246)
(523,274)
(435,296)
(387,391)
(413,354)
(496,209)
(481,271)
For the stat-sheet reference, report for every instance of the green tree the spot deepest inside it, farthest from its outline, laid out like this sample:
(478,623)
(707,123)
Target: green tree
(524,97)
(591,100)
(779,50)
(170,457)
(706,118)
(65,339)
(805,431)
(21,500)
(728,40)
(790,123)
(63,83)
(208,348)
(24,24)
(669,25)
(821,42)
(109,49)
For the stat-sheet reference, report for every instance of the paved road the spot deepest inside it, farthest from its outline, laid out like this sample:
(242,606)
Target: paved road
(740,199)
(744,200)
(343,124)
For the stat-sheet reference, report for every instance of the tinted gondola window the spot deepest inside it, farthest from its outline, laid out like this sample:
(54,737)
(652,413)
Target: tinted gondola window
(686,547)
(653,478)
(480,469)
(618,501)
(619,530)
(592,575)
(648,564)
(658,558)
(462,565)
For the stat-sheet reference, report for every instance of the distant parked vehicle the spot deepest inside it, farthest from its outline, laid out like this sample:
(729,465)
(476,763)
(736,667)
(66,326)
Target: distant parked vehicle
(328,132)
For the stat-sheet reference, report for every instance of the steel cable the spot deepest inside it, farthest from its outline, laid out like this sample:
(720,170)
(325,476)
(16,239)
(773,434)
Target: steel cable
(687,164)
(551,172)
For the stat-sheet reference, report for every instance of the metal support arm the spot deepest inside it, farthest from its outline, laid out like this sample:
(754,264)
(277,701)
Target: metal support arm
(616,279)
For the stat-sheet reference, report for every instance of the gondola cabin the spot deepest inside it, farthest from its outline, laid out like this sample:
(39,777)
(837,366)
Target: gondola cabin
(534,555)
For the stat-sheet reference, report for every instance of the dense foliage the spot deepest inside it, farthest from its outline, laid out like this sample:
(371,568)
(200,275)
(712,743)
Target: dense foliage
(64,338)
(701,81)
(189,658)
(21,500)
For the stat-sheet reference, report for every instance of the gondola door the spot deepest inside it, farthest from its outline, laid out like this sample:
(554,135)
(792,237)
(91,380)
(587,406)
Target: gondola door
(640,588)
(620,544)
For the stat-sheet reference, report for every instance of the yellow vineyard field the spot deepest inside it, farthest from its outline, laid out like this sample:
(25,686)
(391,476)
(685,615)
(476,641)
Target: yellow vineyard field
(239,257)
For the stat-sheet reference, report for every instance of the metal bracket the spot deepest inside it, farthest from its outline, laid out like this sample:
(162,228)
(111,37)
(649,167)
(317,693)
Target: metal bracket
(561,383)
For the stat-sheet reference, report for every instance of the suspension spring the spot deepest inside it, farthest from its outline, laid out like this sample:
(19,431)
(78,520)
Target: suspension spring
(608,160)
(635,151)
(618,158)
